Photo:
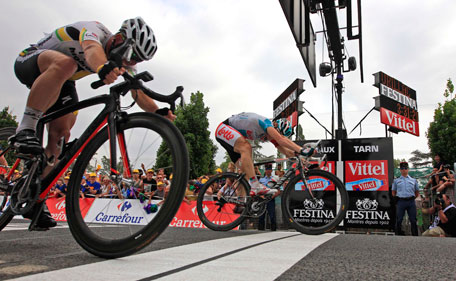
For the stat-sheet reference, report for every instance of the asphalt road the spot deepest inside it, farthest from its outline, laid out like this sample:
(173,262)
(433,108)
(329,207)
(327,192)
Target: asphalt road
(202,254)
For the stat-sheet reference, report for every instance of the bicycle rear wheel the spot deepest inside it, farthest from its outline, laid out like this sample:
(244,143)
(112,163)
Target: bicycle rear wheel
(6,215)
(116,227)
(317,206)
(222,202)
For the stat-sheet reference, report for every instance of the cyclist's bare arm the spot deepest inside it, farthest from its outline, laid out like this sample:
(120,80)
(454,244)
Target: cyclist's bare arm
(147,104)
(96,57)
(285,145)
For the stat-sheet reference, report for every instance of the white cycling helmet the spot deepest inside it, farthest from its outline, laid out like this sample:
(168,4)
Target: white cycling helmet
(284,127)
(145,45)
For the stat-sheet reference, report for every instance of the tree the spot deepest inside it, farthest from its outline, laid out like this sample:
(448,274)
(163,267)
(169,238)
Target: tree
(227,160)
(192,121)
(7,119)
(299,133)
(397,162)
(441,133)
(420,159)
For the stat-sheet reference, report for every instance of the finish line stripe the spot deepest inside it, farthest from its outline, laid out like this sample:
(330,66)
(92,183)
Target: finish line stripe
(258,256)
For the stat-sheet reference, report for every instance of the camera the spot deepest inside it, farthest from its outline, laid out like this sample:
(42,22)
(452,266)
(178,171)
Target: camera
(439,200)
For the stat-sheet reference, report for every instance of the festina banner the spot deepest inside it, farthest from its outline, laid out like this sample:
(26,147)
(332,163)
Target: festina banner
(366,168)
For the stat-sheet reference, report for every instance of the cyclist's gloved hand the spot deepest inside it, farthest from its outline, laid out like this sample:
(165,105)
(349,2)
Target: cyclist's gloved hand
(167,113)
(307,151)
(109,72)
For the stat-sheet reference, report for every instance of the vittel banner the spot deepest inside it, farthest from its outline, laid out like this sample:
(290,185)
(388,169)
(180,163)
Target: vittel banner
(366,168)
(368,176)
(371,175)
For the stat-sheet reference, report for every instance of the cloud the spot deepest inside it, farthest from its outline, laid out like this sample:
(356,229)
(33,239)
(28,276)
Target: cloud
(241,55)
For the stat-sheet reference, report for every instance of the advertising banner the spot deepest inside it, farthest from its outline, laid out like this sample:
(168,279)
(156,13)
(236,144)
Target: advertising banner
(371,175)
(187,216)
(397,104)
(368,177)
(369,210)
(120,211)
(366,168)
(131,212)
(56,207)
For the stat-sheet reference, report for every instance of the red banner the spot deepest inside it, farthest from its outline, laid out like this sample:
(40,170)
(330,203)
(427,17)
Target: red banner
(399,122)
(187,215)
(57,207)
(366,175)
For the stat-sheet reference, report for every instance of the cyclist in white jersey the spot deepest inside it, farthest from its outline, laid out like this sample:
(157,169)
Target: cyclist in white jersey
(234,132)
(50,67)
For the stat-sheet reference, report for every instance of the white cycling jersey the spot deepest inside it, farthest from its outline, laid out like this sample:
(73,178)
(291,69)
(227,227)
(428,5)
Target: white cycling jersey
(68,39)
(251,125)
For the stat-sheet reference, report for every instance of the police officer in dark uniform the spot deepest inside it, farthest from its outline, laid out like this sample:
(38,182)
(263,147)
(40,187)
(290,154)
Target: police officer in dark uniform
(405,188)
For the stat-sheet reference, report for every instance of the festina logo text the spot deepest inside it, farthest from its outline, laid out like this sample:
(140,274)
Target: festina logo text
(370,215)
(367,169)
(306,213)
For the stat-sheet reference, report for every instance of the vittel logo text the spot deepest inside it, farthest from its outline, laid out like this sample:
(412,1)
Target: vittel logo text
(367,169)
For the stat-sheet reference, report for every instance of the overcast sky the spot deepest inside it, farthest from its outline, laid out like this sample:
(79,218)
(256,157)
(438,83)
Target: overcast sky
(242,55)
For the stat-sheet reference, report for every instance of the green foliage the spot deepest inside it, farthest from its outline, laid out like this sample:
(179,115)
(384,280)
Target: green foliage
(441,133)
(397,161)
(7,119)
(224,164)
(420,159)
(299,133)
(192,121)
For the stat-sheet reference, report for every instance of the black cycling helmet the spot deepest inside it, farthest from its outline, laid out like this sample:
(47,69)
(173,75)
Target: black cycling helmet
(145,44)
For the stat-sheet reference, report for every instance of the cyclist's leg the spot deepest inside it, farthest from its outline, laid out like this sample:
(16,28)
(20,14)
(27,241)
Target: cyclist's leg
(44,72)
(61,127)
(243,147)
(55,68)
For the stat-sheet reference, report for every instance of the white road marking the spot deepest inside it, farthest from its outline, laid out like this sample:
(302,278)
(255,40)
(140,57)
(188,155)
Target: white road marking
(202,260)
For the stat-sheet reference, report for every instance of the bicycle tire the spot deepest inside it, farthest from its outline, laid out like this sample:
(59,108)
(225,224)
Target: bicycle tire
(225,216)
(6,215)
(91,239)
(319,214)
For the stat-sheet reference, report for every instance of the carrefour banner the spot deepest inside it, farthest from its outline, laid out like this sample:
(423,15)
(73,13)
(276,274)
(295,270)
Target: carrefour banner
(131,212)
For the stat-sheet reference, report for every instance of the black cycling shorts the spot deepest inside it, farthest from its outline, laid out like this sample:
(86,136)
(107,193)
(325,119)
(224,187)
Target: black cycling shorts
(27,70)
(227,146)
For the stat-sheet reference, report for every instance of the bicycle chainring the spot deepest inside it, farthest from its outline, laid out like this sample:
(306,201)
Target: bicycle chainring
(257,206)
(23,201)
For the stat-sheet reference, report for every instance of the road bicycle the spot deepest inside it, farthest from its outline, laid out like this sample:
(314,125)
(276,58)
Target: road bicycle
(313,200)
(108,228)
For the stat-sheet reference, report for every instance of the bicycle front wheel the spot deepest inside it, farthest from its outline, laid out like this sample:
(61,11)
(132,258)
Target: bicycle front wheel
(315,205)
(128,218)
(6,215)
(222,201)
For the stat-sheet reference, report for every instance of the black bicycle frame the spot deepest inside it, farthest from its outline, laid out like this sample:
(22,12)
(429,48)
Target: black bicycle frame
(107,115)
